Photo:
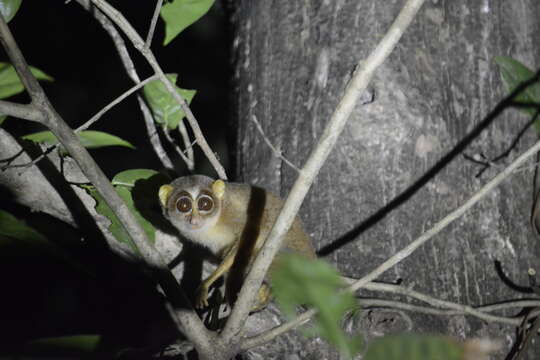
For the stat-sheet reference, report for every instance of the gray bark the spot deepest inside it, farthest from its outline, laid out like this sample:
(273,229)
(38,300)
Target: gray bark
(45,188)
(399,166)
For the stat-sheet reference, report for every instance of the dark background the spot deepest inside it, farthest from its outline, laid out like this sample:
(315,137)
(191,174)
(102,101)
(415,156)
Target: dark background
(43,297)
(66,42)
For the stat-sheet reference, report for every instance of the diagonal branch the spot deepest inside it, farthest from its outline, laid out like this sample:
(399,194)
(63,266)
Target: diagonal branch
(365,282)
(357,85)
(190,322)
(121,48)
(84,126)
(153,24)
(21,111)
(436,307)
(139,44)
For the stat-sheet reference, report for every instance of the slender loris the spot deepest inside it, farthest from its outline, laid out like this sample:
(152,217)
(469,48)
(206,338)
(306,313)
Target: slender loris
(232,220)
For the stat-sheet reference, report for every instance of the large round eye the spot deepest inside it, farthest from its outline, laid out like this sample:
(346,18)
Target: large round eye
(205,203)
(183,204)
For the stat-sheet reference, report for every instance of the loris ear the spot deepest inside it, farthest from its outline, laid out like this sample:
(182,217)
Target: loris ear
(218,188)
(164,193)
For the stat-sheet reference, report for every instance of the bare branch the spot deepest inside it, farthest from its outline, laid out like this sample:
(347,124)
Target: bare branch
(153,24)
(187,144)
(92,120)
(120,45)
(189,162)
(359,82)
(67,137)
(138,43)
(26,112)
(116,101)
(267,141)
(442,304)
(407,251)
(437,307)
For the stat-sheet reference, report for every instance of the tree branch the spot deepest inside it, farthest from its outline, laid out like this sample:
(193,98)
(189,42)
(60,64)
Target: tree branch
(116,101)
(120,45)
(26,112)
(153,24)
(272,147)
(88,123)
(189,161)
(188,145)
(138,43)
(407,251)
(195,330)
(437,307)
(357,85)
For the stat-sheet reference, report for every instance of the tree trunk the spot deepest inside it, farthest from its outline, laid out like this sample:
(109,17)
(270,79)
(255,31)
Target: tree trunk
(400,165)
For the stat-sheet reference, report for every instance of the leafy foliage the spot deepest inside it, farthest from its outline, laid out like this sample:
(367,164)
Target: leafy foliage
(10,84)
(64,345)
(165,108)
(8,8)
(90,139)
(300,281)
(414,347)
(130,177)
(138,188)
(179,14)
(514,74)
(17,238)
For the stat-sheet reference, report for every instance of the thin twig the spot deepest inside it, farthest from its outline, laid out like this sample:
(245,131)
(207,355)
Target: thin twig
(116,101)
(26,112)
(358,83)
(153,24)
(393,304)
(67,137)
(190,164)
(407,251)
(188,144)
(442,304)
(149,122)
(438,307)
(277,152)
(138,43)
(91,121)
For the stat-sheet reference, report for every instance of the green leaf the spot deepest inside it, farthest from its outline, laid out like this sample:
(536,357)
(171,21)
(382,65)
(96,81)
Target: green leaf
(414,347)
(90,139)
(64,345)
(126,195)
(19,238)
(12,228)
(138,188)
(116,228)
(8,8)
(300,281)
(2,118)
(129,177)
(165,108)
(514,74)
(179,14)
(10,84)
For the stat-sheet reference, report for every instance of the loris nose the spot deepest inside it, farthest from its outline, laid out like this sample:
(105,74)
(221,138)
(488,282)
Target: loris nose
(195,220)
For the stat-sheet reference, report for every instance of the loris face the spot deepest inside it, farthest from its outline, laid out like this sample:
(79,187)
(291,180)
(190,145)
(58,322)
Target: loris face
(192,203)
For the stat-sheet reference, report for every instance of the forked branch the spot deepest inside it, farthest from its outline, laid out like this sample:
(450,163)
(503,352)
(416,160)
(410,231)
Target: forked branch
(191,324)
